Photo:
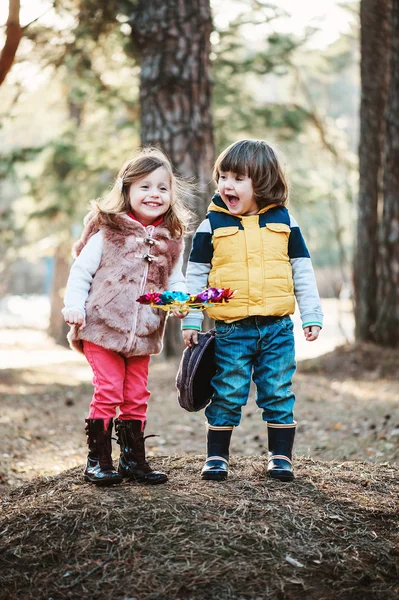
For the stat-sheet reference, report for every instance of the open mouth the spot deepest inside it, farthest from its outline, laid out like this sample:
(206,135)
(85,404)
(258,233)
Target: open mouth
(231,199)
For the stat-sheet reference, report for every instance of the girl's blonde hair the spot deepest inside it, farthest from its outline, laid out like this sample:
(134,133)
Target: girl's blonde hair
(143,162)
(259,161)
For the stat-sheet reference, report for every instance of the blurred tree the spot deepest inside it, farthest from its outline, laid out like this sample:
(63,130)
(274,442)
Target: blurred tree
(247,74)
(66,158)
(97,50)
(173,41)
(100,128)
(271,85)
(12,231)
(374,22)
(377,256)
(386,329)
(13,37)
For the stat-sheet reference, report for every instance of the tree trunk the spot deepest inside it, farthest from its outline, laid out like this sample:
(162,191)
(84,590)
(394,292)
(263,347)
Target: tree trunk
(374,20)
(387,326)
(58,329)
(172,37)
(13,37)
(175,88)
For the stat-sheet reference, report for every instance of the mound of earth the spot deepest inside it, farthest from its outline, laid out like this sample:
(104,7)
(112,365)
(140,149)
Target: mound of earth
(355,361)
(331,534)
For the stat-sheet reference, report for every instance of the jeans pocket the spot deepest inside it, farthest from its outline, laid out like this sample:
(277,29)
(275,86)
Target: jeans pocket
(287,323)
(224,329)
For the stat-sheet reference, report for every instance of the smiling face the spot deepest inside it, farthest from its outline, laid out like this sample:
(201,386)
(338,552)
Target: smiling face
(237,193)
(150,196)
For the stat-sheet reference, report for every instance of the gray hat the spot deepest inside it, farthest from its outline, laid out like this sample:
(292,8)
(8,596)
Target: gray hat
(196,369)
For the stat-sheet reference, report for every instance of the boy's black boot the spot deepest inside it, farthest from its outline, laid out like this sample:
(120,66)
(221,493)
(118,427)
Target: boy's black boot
(132,462)
(281,441)
(216,466)
(99,468)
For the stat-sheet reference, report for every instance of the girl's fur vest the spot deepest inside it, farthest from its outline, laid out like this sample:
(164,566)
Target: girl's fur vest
(135,260)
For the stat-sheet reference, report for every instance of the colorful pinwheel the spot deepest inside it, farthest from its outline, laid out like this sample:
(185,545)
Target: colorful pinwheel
(169,301)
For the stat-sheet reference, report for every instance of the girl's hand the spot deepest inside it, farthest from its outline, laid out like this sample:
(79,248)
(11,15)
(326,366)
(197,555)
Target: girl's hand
(180,314)
(74,317)
(190,337)
(311,333)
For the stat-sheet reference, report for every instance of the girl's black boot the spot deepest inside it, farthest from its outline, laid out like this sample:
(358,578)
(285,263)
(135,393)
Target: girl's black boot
(99,468)
(216,466)
(132,461)
(281,441)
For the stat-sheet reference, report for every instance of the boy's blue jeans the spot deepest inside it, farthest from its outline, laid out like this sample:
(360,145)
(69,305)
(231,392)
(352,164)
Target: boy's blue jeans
(258,347)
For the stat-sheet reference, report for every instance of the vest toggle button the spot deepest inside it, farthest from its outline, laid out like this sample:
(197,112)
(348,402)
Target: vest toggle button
(148,257)
(149,241)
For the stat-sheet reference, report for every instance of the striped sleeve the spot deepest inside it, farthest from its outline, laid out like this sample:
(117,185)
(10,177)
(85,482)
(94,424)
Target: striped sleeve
(202,248)
(198,268)
(296,244)
(305,286)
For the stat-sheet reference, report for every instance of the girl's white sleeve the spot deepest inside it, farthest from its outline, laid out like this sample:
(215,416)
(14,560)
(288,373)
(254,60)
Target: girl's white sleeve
(177,281)
(82,273)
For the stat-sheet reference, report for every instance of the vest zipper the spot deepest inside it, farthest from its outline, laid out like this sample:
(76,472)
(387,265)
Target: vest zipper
(149,231)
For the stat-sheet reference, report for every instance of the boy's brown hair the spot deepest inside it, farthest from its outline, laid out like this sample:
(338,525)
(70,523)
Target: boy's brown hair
(257,160)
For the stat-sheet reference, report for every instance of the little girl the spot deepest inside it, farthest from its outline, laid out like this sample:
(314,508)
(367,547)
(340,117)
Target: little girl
(132,243)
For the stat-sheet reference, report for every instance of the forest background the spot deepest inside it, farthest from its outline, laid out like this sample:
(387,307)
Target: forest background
(83,90)
(70,113)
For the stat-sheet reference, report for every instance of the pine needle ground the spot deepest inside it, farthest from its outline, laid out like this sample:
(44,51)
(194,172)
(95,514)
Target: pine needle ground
(331,534)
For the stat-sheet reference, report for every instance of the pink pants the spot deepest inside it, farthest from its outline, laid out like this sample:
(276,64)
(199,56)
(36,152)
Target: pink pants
(119,382)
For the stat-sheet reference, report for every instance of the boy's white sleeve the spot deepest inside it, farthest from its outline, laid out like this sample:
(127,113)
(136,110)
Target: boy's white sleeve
(305,286)
(177,281)
(82,273)
(198,269)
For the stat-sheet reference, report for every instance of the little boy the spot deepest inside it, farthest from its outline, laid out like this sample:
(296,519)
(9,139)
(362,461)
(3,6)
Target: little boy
(250,243)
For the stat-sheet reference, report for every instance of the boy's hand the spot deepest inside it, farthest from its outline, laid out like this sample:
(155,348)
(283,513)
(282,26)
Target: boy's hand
(190,337)
(74,317)
(311,333)
(180,314)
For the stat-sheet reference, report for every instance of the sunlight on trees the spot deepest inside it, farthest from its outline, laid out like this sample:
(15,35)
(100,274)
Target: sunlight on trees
(291,81)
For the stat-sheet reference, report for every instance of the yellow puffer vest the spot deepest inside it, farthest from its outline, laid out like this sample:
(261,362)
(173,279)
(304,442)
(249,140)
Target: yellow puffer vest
(255,262)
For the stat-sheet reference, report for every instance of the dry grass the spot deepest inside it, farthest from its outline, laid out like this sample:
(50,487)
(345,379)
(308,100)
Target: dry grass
(332,534)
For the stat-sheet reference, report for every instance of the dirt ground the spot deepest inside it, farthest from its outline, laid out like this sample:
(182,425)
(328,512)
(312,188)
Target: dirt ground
(347,409)
(332,534)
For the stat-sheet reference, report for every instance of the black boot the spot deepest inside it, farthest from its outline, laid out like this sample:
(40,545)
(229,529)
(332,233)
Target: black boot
(281,441)
(217,463)
(99,468)
(132,462)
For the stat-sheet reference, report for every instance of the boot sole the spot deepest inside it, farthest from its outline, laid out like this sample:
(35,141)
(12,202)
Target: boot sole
(145,481)
(103,483)
(281,477)
(214,476)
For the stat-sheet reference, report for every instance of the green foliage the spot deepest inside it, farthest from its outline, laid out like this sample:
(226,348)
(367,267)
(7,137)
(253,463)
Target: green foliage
(98,86)
(241,82)
(9,161)
(267,84)
(270,85)
(56,193)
